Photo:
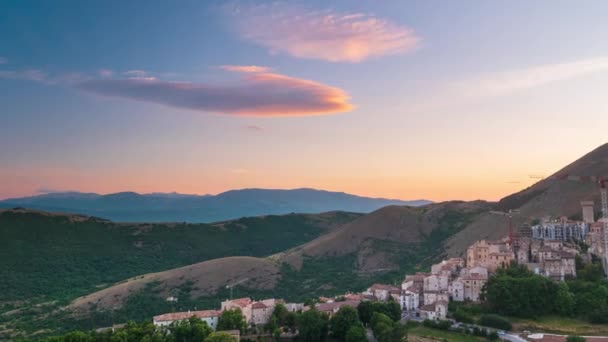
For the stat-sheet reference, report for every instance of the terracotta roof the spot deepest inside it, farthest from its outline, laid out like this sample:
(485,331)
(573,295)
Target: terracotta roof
(337,305)
(353,296)
(428,307)
(259,305)
(177,316)
(242,302)
(384,287)
(412,289)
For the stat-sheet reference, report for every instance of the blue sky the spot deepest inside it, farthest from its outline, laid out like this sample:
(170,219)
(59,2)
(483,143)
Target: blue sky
(405,99)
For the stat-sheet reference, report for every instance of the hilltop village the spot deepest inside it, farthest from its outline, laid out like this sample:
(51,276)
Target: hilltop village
(548,248)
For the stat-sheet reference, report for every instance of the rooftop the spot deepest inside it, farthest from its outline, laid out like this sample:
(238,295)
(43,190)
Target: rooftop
(177,316)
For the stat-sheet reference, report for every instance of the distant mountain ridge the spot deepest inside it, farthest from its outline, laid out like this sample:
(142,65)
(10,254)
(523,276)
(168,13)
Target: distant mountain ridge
(174,207)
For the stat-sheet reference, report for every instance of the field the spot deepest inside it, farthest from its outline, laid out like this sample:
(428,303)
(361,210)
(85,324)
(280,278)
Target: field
(424,334)
(560,325)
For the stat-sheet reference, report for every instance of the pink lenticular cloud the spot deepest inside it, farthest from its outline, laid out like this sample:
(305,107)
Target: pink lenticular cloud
(323,35)
(262,94)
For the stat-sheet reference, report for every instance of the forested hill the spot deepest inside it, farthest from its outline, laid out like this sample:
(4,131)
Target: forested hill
(47,256)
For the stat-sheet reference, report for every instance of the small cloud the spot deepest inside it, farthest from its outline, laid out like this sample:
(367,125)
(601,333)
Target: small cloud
(105,73)
(135,73)
(254,128)
(3,60)
(325,35)
(262,94)
(35,75)
(245,68)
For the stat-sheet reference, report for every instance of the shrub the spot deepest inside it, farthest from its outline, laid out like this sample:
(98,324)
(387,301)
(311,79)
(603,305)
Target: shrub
(461,316)
(495,321)
(574,338)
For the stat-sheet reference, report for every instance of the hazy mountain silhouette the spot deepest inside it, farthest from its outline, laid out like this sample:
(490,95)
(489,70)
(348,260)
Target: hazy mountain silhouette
(172,207)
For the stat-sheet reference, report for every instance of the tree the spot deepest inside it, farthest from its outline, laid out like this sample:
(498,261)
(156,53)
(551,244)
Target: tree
(232,320)
(280,313)
(221,337)
(365,310)
(399,333)
(382,326)
(574,338)
(313,326)
(564,300)
(356,333)
(291,320)
(341,322)
(193,329)
(77,336)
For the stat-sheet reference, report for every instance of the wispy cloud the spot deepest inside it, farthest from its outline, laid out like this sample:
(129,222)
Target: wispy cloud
(325,35)
(245,68)
(263,94)
(28,75)
(505,82)
(3,60)
(105,73)
(254,128)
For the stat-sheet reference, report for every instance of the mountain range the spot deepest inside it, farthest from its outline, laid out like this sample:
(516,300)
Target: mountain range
(173,207)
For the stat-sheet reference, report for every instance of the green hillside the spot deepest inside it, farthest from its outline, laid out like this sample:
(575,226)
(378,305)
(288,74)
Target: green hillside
(59,257)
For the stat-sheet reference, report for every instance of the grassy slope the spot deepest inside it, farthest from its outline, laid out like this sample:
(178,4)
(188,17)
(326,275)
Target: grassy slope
(59,257)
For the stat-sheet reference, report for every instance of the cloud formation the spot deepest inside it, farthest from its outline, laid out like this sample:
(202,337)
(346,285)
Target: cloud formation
(258,93)
(326,35)
(505,82)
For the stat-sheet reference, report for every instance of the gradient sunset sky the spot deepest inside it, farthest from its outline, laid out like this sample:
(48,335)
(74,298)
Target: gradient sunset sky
(400,99)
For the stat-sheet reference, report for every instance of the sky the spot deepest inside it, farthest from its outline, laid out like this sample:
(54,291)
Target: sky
(398,99)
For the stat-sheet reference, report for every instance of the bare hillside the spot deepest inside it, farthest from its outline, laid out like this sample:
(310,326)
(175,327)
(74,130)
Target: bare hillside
(206,277)
(395,224)
(549,197)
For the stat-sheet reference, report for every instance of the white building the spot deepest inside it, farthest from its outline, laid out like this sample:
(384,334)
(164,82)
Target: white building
(211,317)
(410,299)
(456,290)
(436,311)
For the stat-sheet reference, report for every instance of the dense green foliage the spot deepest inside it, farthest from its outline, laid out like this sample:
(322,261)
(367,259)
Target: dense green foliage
(387,330)
(495,321)
(313,326)
(61,257)
(232,320)
(367,309)
(356,333)
(191,330)
(574,338)
(342,321)
(515,291)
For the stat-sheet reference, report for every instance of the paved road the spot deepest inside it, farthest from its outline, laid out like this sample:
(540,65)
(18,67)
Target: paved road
(512,338)
(370,335)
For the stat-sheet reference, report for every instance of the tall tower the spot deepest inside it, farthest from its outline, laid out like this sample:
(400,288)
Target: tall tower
(588,215)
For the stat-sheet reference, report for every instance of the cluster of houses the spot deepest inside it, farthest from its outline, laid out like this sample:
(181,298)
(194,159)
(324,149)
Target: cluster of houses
(255,313)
